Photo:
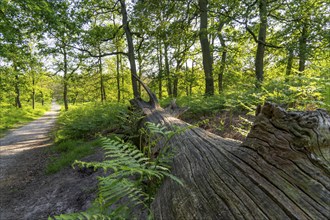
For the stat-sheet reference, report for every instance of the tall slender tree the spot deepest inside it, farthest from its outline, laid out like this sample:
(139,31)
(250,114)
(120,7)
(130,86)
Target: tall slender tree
(205,45)
(259,60)
(130,45)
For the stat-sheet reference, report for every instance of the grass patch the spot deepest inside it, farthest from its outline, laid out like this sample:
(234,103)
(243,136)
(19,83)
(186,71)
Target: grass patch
(68,151)
(12,117)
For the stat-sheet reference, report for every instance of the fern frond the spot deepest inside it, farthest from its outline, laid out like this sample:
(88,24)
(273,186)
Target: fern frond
(132,172)
(155,128)
(114,190)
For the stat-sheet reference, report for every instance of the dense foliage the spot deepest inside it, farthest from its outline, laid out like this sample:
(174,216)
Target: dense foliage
(249,51)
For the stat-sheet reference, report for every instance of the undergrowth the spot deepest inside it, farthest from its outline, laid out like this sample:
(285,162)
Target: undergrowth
(67,151)
(231,114)
(89,120)
(79,129)
(292,92)
(134,175)
(11,117)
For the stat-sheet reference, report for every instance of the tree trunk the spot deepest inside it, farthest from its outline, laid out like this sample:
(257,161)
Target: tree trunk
(160,70)
(290,62)
(175,86)
(259,62)
(118,76)
(18,93)
(303,48)
(187,79)
(191,82)
(140,68)
(131,56)
(281,171)
(223,58)
(206,52)
(222,70)
(102,89)
(167,72)
(122,77)
(42,99)
(176,78)
(65,82)
(118,63)
(33,91)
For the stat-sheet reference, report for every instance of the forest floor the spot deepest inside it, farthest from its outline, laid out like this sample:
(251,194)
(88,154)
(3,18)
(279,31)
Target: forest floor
(26,192)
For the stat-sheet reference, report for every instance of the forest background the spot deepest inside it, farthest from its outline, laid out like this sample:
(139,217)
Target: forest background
(210,55)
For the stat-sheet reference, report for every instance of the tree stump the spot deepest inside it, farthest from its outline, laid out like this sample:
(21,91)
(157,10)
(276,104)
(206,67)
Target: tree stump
(281,170)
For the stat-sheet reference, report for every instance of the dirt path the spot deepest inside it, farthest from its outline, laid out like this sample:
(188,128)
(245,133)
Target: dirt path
(31,136)
(25,191)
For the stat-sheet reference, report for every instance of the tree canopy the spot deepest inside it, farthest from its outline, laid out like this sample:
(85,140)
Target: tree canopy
(178,48)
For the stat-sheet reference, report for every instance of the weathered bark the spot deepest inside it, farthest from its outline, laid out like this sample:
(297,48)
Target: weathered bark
(205,45)
(259,62)
(281,171)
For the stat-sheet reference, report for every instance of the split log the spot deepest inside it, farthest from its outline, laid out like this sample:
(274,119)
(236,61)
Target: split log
(281,170)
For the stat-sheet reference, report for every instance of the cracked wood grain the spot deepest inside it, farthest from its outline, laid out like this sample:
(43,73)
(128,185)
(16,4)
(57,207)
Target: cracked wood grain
(281,170)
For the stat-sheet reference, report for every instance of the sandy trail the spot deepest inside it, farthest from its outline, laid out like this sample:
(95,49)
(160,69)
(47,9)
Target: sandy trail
(25,191)
(31,136)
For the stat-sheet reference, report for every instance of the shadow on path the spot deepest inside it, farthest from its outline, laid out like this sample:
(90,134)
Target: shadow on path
(25,191)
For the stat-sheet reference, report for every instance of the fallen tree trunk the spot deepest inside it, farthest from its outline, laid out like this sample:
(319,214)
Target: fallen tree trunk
(281,171)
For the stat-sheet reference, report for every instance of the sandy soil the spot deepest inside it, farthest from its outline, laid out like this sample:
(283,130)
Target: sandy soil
(25,191)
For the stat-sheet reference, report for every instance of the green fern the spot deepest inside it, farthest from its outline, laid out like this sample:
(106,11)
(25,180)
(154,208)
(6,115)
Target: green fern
(133,176)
